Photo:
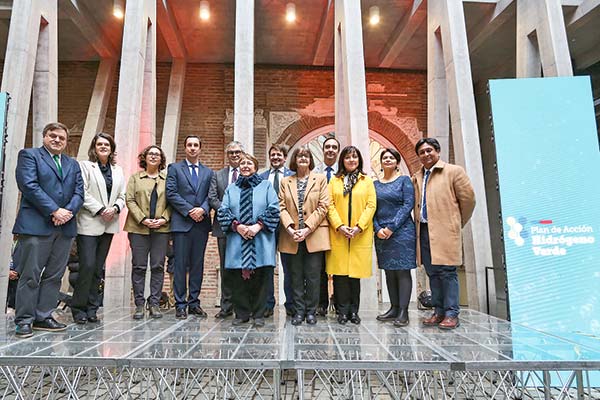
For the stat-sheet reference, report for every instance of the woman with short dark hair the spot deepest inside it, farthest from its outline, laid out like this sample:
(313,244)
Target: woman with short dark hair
(97,222)
(148,226)
(351,209)
(395,236)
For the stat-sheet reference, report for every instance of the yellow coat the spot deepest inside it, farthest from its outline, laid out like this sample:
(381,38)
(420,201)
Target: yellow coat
(353,257)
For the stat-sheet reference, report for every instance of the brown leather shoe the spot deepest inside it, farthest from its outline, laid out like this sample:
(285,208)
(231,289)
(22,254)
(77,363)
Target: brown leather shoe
(433,320)
(449,323)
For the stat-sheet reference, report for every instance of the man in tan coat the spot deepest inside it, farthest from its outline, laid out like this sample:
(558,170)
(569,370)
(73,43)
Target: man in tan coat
(444,203)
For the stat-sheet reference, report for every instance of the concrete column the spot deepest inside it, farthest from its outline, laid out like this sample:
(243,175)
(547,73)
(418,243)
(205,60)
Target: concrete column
(17,80)
(351,122)
(133,127)
(45,77)
(465,136)
(438,122)
(173,109)
(243,107)
(96,115)
(542,39)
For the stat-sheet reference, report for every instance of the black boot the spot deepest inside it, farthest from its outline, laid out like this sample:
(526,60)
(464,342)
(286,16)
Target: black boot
(389,315)
(402,319)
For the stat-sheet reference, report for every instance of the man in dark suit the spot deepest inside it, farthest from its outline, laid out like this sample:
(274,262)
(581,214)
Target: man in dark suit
(221,179)
(278,170)
(188,182)
(51,194)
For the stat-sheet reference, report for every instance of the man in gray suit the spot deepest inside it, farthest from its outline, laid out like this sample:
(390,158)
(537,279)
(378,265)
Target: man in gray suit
(219,182)
(51,195)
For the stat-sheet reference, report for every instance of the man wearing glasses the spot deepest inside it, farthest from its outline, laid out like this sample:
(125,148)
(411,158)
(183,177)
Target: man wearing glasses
(219,182)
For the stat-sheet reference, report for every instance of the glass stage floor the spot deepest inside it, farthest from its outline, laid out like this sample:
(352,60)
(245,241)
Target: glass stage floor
(482,342)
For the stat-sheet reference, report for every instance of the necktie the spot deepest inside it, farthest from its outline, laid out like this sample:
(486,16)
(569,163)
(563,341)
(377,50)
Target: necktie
(194,176)
(56,158)
(234,176)
(424,208)
(276,181)
(329,170)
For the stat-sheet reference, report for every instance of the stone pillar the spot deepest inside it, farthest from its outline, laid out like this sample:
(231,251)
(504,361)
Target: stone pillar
(96,115)
(448,18)
(243,108)
(17,80)
(351,122)
(134,127)
(542,40)
(45,77)
(173,109)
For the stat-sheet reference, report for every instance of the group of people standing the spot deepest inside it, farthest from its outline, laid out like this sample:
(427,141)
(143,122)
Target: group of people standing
(323,219)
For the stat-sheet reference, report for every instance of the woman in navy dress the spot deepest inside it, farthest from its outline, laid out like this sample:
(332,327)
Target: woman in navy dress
(395,237)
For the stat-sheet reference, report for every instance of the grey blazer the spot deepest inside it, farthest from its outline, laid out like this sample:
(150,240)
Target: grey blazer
(218,184)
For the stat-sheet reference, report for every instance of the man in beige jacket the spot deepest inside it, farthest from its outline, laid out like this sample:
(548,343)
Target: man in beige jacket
(444,203)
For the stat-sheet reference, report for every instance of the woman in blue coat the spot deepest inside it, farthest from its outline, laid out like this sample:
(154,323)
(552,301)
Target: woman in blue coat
(249,215)
(395,237)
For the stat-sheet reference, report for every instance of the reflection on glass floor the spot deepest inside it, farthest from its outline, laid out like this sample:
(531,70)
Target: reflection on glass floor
(480,342)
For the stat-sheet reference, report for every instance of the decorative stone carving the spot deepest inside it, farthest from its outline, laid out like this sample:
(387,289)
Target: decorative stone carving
(321,107)
(409,126)
(228,125)
(279,121)
(260,122)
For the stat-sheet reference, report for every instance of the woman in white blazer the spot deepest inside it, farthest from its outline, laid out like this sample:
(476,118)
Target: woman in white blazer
(97,222)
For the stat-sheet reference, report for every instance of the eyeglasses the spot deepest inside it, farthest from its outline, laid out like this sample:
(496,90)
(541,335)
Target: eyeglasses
(234,152)
(153,154)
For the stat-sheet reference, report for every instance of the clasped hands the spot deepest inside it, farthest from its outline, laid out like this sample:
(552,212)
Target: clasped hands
(349,232)
(61,216)
(197,214)
(248,231)
(108,214)
(154,223)
(298,235)
(384,233)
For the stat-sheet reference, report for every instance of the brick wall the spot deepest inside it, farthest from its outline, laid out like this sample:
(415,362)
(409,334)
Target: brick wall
(208,94)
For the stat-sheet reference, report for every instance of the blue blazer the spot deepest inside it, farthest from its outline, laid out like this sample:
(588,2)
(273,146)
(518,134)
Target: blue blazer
(183,197)
(43,191)
(286,172)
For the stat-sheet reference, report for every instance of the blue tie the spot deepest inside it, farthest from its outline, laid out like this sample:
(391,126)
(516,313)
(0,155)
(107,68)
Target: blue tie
(328,169)
(194,175)
(424,208)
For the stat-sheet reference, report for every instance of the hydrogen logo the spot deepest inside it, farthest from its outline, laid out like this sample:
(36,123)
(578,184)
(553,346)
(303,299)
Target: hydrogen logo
(515,231)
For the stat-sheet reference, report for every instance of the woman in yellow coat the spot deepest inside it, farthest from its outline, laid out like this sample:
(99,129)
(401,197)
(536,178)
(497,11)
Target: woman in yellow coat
(352,205)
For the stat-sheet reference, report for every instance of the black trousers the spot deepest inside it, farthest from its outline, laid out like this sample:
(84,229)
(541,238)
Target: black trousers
(399,284)
(347,294)
(323,285)
(250,295)
(92,252)
(154,245)
(226,285)
(305,271)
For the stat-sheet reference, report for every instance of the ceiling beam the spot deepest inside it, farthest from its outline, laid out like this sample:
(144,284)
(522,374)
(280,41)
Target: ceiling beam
(588,58)
(325,38)
(582,14)
(402,34)
(504,11)
(5,9)
(85,22)
(170,30)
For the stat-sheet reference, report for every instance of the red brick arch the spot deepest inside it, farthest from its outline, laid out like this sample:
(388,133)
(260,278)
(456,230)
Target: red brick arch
(377,123)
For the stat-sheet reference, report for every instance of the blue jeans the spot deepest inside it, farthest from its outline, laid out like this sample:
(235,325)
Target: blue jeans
(443,280)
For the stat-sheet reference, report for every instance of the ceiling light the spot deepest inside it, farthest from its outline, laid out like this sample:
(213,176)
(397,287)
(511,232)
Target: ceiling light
(374,15)
(204,10)
(290,12)
(119,8)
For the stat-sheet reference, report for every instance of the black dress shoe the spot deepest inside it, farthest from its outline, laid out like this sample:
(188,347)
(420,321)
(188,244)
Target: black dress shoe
(297,319)
(402,319)
(49,324)
(342,319)
(23,331)
(180,313)
(239,321)
(354,318)
(223,314)
(389,315)
(80,320)
(268,312)
(93,319)
(311,319)
(198,311)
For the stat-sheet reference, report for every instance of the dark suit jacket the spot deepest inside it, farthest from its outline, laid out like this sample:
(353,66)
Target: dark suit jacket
(43,191)
(286,172)
(183,197)
(218,184)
